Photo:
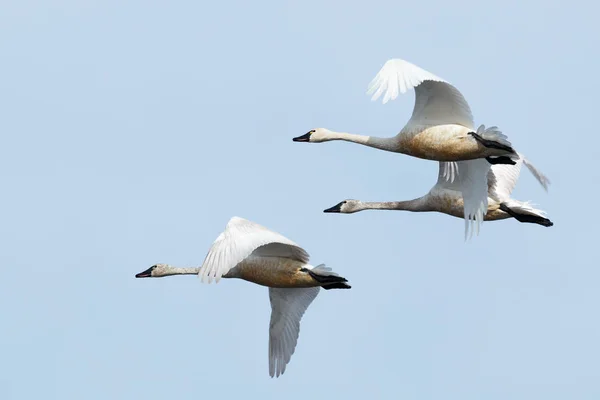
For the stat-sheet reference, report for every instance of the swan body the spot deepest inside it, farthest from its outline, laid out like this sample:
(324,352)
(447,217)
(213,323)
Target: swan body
(439,143)
(249,251)
(279,272)
(441,128)
(445,197)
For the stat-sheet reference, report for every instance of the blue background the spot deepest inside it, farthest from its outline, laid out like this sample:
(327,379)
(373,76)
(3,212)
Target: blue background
(133,130)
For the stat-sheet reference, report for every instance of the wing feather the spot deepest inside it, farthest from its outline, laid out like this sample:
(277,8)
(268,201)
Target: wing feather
(472,181)
(437,102)
(502,180)
(242,238)
(472,176)
(287,308)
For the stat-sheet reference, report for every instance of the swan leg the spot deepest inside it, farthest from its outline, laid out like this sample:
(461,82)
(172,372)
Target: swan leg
(534,219)
(340,285)
(492,144)
(501,160)
(327,281)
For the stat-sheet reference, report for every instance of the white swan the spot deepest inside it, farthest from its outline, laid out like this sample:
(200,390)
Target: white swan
(441,128)
(445,197)
(249,251)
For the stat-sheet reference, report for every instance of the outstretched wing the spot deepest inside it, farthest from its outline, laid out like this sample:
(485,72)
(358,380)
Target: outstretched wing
(437,102)
(242,238)
(287,308)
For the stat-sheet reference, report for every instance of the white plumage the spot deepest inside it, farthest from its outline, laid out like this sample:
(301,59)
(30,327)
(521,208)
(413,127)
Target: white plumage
(287,308)
(445,197)
(437,102)
(249,251)
(240,239)
(438,129)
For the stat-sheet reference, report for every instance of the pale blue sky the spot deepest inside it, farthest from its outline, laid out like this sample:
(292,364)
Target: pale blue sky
(132,131)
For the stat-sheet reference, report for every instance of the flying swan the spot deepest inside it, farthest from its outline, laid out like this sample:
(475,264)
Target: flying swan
(441,128)
(445,197)
(251,252)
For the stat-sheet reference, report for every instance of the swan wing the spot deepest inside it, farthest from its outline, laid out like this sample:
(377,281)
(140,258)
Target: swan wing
(437,102)
(287,308)
(541,178)
(242,238)
(448,172)
(502,180)
(471,179)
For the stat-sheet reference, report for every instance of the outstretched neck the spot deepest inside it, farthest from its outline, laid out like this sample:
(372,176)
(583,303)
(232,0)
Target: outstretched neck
(417,205)
(388,144)
(179,271)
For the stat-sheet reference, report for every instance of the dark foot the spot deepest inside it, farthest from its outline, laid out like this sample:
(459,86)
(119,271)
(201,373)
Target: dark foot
(534,219)
(325,279)
(501,160)
(340,285)
(491,144)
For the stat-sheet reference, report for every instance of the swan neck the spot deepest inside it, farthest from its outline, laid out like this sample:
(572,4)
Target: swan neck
(180,271)
(388,144)
(417,205)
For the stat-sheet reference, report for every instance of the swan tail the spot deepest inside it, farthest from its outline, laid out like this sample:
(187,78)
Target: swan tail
(327,278)
(524,212)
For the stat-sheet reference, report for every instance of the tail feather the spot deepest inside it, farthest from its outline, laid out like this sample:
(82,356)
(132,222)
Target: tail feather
(524,212)
(322,269)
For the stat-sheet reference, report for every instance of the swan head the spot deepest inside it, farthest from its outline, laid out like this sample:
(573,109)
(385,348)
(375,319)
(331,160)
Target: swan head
(155,271)
(314,136)
(345,207)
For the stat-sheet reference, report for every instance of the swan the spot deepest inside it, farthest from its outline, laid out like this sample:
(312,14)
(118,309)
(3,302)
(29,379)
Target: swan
(441,128)
(249,251)
(445,197)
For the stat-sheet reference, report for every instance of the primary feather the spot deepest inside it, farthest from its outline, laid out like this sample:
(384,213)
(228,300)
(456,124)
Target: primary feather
(437,102)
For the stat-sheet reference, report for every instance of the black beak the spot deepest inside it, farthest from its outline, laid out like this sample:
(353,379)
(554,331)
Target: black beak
(335,209)
(303,138)
(146,274)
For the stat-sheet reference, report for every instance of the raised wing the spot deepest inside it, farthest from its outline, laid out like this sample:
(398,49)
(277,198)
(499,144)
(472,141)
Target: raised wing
(287,308)
(437,102)
(242,238)
(471,179)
